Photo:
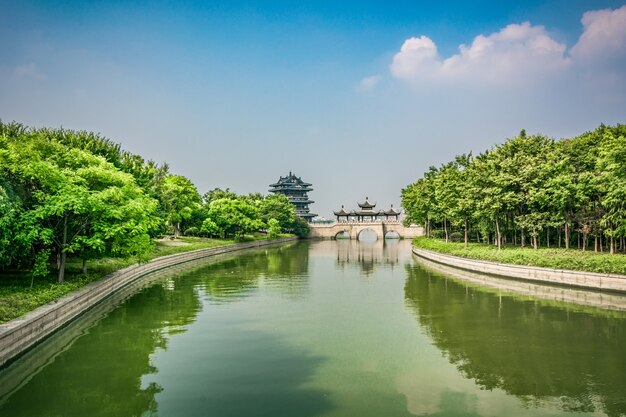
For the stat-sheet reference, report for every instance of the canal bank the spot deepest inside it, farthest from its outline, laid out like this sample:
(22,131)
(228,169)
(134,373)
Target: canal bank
(587,280)
(19,335)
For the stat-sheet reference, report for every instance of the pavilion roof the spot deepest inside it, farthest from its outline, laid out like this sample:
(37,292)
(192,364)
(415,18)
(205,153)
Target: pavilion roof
(393,212)
(341,212)
(366,204)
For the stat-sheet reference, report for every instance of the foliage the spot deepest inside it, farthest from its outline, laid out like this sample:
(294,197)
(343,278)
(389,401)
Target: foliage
(273,228)
(181,198)
(68,195)
(530,190)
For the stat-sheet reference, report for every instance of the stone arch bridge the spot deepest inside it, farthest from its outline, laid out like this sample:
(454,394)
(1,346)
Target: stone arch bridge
(354,229)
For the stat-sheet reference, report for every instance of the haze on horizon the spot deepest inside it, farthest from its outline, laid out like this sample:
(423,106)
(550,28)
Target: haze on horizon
(358,98)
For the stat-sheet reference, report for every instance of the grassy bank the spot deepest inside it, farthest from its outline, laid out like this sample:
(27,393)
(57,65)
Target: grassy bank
(545,257)
(17,297)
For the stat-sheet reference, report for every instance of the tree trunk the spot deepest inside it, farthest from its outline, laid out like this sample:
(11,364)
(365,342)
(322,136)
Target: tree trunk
(612,247)
(523,239)
(566,235)
(585,236)
(445,228)
(559,237)
(84,265)
(595,244)
(498,238)
(177,229)
(466,231)
(63,253)
(601,246)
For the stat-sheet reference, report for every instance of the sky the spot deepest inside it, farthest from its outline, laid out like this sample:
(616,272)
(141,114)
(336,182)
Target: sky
(357,97)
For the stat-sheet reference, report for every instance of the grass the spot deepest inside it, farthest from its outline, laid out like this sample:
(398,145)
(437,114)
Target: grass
(18,298)
(571,259)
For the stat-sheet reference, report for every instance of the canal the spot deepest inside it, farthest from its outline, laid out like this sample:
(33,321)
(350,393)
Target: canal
(325,328)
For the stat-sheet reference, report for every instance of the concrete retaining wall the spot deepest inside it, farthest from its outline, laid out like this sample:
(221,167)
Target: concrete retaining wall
(589,280)
(18,335)
(525,288)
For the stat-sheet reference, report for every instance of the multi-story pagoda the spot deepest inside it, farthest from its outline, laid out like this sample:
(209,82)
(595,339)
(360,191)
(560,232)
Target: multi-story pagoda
(296,191)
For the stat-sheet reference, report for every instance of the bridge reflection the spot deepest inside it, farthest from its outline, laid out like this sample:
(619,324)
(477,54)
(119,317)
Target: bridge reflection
(366,255)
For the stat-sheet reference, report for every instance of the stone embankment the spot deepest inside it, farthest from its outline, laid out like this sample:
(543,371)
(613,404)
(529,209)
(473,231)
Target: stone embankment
(18,335)
(588,280)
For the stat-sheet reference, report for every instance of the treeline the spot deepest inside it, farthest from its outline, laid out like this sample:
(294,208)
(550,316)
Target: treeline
(75,193)
(530,190)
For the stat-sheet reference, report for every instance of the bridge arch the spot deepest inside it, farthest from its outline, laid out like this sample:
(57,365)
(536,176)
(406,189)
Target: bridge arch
(392,234)
(342,234)
(368,230)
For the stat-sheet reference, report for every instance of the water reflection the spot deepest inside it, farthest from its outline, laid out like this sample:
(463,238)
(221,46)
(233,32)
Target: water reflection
(544,354)
(101,374)
(284,268)
(367,255)
(103,365)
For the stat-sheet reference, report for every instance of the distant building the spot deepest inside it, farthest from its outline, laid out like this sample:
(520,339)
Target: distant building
(296,191)
(366,213)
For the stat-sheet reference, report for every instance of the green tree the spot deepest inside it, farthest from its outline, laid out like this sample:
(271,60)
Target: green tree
(181,198)
(234,217)
(273,228)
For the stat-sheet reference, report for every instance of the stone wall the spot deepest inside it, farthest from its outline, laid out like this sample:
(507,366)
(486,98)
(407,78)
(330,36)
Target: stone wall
(18,335)
(589,280)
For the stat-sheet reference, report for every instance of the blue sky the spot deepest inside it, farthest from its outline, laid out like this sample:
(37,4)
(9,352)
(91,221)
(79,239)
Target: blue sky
(358,98)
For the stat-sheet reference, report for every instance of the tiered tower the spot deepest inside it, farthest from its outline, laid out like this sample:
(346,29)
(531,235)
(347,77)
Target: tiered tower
(296,191)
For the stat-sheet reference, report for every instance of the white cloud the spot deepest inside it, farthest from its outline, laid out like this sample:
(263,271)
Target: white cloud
(523,55)
(29,71)
(516,54)
(368,84)
(603,38)
(417,57)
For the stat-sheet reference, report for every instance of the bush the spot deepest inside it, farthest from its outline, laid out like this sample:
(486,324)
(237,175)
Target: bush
(192,231)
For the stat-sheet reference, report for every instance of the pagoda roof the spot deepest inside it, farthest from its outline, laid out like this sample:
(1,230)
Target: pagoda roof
(289,187)
(366,204)
(292,180)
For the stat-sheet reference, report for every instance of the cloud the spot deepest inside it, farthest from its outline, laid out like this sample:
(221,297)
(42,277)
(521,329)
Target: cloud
(368,84)
(603,39)
(516,54)
(29,71)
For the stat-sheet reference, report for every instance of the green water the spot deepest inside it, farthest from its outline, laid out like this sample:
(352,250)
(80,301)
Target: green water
(329,328)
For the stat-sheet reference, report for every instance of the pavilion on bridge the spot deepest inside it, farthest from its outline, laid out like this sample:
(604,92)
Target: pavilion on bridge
(366,213)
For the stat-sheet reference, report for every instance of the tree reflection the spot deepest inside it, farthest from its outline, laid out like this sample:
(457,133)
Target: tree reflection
(534,351)
(101,372)
(100,375)
(285,268)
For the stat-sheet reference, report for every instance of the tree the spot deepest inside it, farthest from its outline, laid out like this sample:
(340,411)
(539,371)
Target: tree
(273,228)
(181,198)
(278,207)
(77,202)
(234,217)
